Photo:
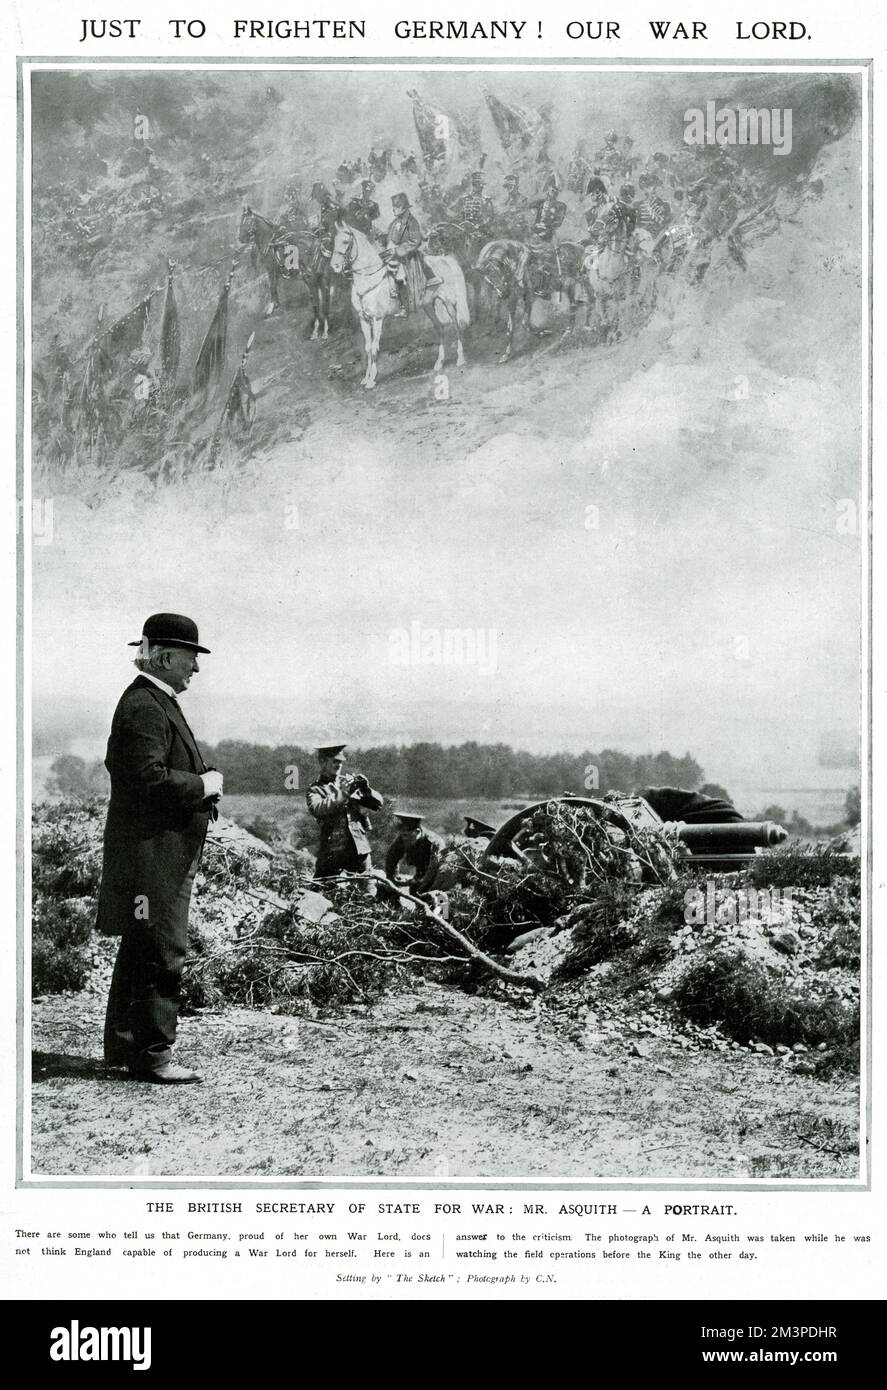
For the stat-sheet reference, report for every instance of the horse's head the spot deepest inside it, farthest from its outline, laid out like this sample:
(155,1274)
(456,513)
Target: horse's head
(440,238)
(344,248)
(247,224)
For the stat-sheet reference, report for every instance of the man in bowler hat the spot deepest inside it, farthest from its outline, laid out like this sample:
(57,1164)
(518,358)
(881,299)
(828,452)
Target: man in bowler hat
(162,798)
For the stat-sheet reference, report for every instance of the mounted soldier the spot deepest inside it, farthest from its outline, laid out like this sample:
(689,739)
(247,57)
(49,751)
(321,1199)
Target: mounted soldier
(623,210)
(608,161)
(379,164)
(579,168)
(594,210)
(362,212)
(476,210)
(513,215)
(547,213)
(403,253)
(292,211)
(654,213)
(323,225)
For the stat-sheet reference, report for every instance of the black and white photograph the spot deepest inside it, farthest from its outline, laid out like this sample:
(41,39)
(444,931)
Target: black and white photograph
(446,694)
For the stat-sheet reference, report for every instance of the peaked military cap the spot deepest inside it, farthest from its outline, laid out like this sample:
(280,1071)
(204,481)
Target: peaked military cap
(477,827)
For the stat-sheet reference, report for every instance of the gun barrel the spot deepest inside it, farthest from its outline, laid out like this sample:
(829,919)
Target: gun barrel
(735,837)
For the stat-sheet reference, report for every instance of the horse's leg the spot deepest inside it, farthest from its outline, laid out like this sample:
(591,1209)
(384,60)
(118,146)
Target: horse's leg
(326,295)
(570,292)
(511,306)
(315,304)
(367,331)
(433,312)
(375,336)
(273,276)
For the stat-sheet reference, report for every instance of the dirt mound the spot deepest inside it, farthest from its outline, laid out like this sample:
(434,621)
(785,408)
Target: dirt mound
(721,963)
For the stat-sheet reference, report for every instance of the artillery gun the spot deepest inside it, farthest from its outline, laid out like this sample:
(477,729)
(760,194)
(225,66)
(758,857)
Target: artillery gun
(714,846)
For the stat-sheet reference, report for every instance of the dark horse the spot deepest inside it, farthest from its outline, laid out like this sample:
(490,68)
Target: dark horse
(283,253)
(517,277)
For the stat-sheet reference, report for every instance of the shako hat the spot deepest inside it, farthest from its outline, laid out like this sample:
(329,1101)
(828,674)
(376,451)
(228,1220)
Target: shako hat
(170,630)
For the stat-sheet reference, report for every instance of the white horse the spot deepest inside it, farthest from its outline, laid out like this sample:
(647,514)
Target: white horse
(374,296)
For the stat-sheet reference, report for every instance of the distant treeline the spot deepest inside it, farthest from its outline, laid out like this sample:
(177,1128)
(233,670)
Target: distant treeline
(482,771)
(487,770)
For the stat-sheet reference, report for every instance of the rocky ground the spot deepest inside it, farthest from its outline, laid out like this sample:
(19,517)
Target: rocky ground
(435,1083)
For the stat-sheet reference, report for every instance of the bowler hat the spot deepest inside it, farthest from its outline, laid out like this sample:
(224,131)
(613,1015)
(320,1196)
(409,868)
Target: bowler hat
(170,630)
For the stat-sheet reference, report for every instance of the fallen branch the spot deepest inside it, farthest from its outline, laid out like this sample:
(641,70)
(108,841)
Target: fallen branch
(513,977)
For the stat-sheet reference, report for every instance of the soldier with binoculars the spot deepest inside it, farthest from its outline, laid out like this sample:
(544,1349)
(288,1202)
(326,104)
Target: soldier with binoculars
(341,802)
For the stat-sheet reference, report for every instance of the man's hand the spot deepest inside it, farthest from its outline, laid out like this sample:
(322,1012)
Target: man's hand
(212,784)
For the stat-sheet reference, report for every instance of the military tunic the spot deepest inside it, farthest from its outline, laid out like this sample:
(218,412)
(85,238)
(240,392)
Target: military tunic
(362,213)
(477,210)
(344,822)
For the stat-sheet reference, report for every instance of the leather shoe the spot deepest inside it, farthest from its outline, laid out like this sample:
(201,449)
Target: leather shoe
(167,1075)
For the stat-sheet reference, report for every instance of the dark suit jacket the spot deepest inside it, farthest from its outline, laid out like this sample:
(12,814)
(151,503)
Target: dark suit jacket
(158,815)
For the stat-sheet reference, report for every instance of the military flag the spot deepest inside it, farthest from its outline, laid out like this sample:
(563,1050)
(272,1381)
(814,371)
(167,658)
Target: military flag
(211,357)
(170,333)
(435,130)
(240,404)
(124,336)
(240,407)
(519,127)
